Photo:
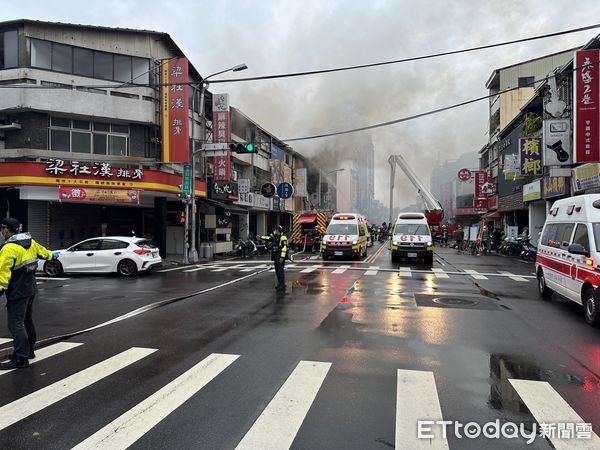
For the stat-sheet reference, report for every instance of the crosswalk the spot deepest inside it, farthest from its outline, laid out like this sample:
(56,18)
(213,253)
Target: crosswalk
(404,272)
(278,424)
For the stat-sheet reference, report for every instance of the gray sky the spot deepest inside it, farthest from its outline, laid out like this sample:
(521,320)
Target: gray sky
(283,36)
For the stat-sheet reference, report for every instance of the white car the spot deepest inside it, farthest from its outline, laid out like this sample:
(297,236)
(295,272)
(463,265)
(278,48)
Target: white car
(122,254)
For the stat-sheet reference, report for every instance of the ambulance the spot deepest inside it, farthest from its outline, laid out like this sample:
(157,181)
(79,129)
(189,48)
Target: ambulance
(412,238)
(346,236)
(568,257)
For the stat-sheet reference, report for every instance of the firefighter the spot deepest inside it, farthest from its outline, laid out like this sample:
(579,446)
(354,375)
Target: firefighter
(279,251)
(18,263)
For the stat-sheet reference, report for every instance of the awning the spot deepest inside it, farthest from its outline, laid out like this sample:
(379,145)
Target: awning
(493,215)
(307,218)
(227,206)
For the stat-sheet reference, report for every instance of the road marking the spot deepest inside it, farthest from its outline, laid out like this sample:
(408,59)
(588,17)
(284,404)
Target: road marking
(547,406)
(417,399)
(476,275)
(5,340)
(172,268)
(38,400)
(52,279)
(439,273)
(311,268)
(195,269)
(440,261)
(405,272)
(279,423)
(340,269)
(250,269)
(129,427)
(47,352)
(372,270)
(221,269)
(512,276)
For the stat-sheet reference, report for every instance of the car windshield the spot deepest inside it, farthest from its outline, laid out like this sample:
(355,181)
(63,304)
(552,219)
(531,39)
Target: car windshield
(414,229)
(596,227)
(342,228)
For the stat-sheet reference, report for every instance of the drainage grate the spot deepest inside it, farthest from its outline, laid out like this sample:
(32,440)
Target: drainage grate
(448,301)
(451,301)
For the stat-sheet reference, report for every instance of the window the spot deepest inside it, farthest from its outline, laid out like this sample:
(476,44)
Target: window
(81,142)
(83,62)
(565,230)
(343,228)
(581,236)
(100,143)
(140,70)
(62,58)
(9,49)
(60,140)
(101,126)
(123,68)
(117,145)
(41,54)
(83,136)
(526,82)
(103,65)
(86,246)
(116,128)
(550,236)
(412,229)
(81,124)
(110,244)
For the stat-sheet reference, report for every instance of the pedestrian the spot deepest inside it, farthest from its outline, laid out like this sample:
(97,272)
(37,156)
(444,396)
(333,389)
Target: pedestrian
(459,236)
(485,237)
(444,235)
(18,263)
(279,250)
(497,236)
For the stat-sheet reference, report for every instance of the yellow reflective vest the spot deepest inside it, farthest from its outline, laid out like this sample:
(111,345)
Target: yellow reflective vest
(279,246)
(18,264)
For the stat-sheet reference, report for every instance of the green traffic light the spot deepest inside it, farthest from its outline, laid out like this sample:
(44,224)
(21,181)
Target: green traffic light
(249,148)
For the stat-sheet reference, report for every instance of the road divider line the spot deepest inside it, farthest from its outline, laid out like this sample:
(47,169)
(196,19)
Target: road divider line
(547,406)
(372,270)
(439,273)
(277,426)
(5,340)
(47,352)
(38,400)
(250,269)
(476,275)
(340,269)
(131,426)
(196,269)
(311,268)
(512,276)
(417,399)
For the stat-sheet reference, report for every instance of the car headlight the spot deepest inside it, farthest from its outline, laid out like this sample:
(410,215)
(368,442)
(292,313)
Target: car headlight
(354,242)
(395,243)
(429,244)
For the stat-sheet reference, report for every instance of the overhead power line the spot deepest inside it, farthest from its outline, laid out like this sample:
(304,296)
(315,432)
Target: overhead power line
(414,58)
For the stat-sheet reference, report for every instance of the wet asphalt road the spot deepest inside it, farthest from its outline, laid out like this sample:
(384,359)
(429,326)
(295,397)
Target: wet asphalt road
(361,323)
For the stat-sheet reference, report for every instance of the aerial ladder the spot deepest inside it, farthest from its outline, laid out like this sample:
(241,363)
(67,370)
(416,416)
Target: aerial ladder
(433,209)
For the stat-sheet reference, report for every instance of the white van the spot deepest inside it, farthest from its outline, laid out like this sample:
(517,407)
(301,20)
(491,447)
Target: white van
(346,236)
(411,238)
(568,258)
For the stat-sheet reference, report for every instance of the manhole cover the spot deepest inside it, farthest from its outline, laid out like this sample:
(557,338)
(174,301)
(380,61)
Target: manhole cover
(451,301)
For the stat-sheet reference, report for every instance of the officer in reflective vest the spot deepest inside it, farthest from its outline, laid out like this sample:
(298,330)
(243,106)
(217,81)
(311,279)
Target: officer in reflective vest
(279,249)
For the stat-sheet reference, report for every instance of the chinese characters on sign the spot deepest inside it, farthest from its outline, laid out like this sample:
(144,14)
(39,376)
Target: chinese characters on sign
(175,94)
(587,111)
(554,187)
(530,156)
(481,182)
(58,167)
(72,194)
(221,133)
(464,174)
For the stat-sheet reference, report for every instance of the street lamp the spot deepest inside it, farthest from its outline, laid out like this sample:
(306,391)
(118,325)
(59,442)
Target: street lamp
(319,187)
(193,253)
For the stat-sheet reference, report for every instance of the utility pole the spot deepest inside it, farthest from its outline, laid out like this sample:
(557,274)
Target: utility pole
(392,161)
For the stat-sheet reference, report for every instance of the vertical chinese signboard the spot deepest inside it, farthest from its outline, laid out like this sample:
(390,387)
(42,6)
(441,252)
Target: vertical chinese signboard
(587,111)
(480,199)
(175,95)
(221,133)
(530,156)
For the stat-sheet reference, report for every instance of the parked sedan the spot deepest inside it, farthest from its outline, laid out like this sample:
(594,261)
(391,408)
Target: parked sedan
(124,255)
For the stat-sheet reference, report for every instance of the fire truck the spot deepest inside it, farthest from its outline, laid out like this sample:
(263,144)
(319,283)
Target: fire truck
(433,209)
(306,226)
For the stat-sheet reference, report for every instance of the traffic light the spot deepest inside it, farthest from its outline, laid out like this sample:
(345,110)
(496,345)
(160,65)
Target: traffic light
(243,148)
(182,217)
(182,195)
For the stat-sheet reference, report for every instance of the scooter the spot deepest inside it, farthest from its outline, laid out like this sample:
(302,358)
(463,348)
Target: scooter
(529,252)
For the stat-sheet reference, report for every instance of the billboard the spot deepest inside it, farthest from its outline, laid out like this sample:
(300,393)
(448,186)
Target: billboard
(175,108)
(80,194)
(221,133)
(530,157)
(557,142)
(586,96)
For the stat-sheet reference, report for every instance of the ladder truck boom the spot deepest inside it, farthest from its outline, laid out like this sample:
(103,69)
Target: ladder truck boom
(434,211)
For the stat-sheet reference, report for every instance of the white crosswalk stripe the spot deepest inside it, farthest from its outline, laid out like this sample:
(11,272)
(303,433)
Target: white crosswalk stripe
(439,273)
(172,269)
(405,272)
(38,400)
(128,428)
(5,340)
(311,268)
(253,268)
(340,269)
(195,269)
(221,269)
(476,275)
(372,270)
(279,423)
(47,352)
(417,399)
(547,406)
(512,276)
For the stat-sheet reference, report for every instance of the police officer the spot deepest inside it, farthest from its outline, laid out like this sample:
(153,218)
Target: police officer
(18,263)
(279,249)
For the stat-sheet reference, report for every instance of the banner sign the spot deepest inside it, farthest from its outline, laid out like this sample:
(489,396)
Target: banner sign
(464,174)
(246,197)
(481,180)
(77,194)
(557,142)
(221,133)
(300,182)
(530,157)
(554,187)
(532,191)
(586,176)
(586,99)
(480,205)
(224,191)
(175,106)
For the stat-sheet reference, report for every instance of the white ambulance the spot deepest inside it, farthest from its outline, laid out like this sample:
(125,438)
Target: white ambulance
(346,236)
(568,258)
(411,238)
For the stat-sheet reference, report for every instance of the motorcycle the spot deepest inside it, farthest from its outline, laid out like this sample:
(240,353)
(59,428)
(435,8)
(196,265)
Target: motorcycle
(261,247)
(513,248)
(529,252)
